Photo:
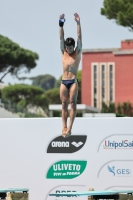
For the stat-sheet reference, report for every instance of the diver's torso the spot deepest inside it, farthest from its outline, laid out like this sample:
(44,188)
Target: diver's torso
(70,64)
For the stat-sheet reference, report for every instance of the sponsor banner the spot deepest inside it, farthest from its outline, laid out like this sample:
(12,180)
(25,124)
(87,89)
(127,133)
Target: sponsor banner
(117,142)
(117,169)
(65,189)
(46,160)
(66,169)
(118,187)
(67,145)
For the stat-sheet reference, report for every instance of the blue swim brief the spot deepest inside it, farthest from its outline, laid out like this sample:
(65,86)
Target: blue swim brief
(68,83)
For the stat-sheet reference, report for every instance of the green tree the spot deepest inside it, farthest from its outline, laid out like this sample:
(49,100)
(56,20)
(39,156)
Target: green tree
(54,96)
(129,109)
(46,82)
(111,107)
(24,95)
(58,82)
(119,10)
(13,58)
(41,100)
(124,108)
(119,108)
(105,108)
(108,108)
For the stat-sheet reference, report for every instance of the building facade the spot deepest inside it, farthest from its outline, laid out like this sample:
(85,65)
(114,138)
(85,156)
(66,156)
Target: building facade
(107,75)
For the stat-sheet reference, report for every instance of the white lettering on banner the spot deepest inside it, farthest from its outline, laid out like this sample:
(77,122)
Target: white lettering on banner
(67,167)
(73,173)
(68,173)
(60,144)
(57,174)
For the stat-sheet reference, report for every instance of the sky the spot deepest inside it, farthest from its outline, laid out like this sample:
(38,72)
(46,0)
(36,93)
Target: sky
(33,25)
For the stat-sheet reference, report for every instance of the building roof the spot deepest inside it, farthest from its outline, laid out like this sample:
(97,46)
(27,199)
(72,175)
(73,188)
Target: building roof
(99,50)
(123,52)
(115,51)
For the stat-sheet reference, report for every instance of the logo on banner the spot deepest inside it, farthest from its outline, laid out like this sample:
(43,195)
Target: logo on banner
(67,145)
(119,171)
(77,144)
(65,189)
(117,142)
(66,169)
(123,144)
(116,168)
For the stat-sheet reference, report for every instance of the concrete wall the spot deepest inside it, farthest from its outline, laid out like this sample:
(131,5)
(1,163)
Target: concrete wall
(34,155)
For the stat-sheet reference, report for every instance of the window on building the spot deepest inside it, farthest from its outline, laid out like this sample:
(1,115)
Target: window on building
(103,82)
(95,102)
(95,90)
(111,82)
(95,86)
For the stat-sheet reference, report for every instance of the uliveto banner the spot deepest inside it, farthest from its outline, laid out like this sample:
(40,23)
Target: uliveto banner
(66,169)
(34,155)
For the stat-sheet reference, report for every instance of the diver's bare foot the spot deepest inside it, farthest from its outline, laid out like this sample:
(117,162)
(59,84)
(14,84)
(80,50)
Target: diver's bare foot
(64,132)
(68,132)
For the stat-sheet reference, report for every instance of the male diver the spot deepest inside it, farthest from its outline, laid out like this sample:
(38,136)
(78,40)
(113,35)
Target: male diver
(71,57)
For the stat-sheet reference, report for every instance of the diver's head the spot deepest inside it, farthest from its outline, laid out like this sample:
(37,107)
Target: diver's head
(69,45)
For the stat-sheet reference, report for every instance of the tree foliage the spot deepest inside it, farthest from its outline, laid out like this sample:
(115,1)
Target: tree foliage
(46,81)
(13,58)
(123,109)
(24,95)
(119,10)
(18,92)
(58,82)
(108,108)
(53,96)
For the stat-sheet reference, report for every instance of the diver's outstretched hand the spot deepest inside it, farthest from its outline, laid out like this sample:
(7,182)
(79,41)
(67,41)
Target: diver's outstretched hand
(77,18)
(62,16)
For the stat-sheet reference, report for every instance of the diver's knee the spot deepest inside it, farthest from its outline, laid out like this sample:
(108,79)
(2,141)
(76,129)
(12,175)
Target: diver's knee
(73,105)
(64,105)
